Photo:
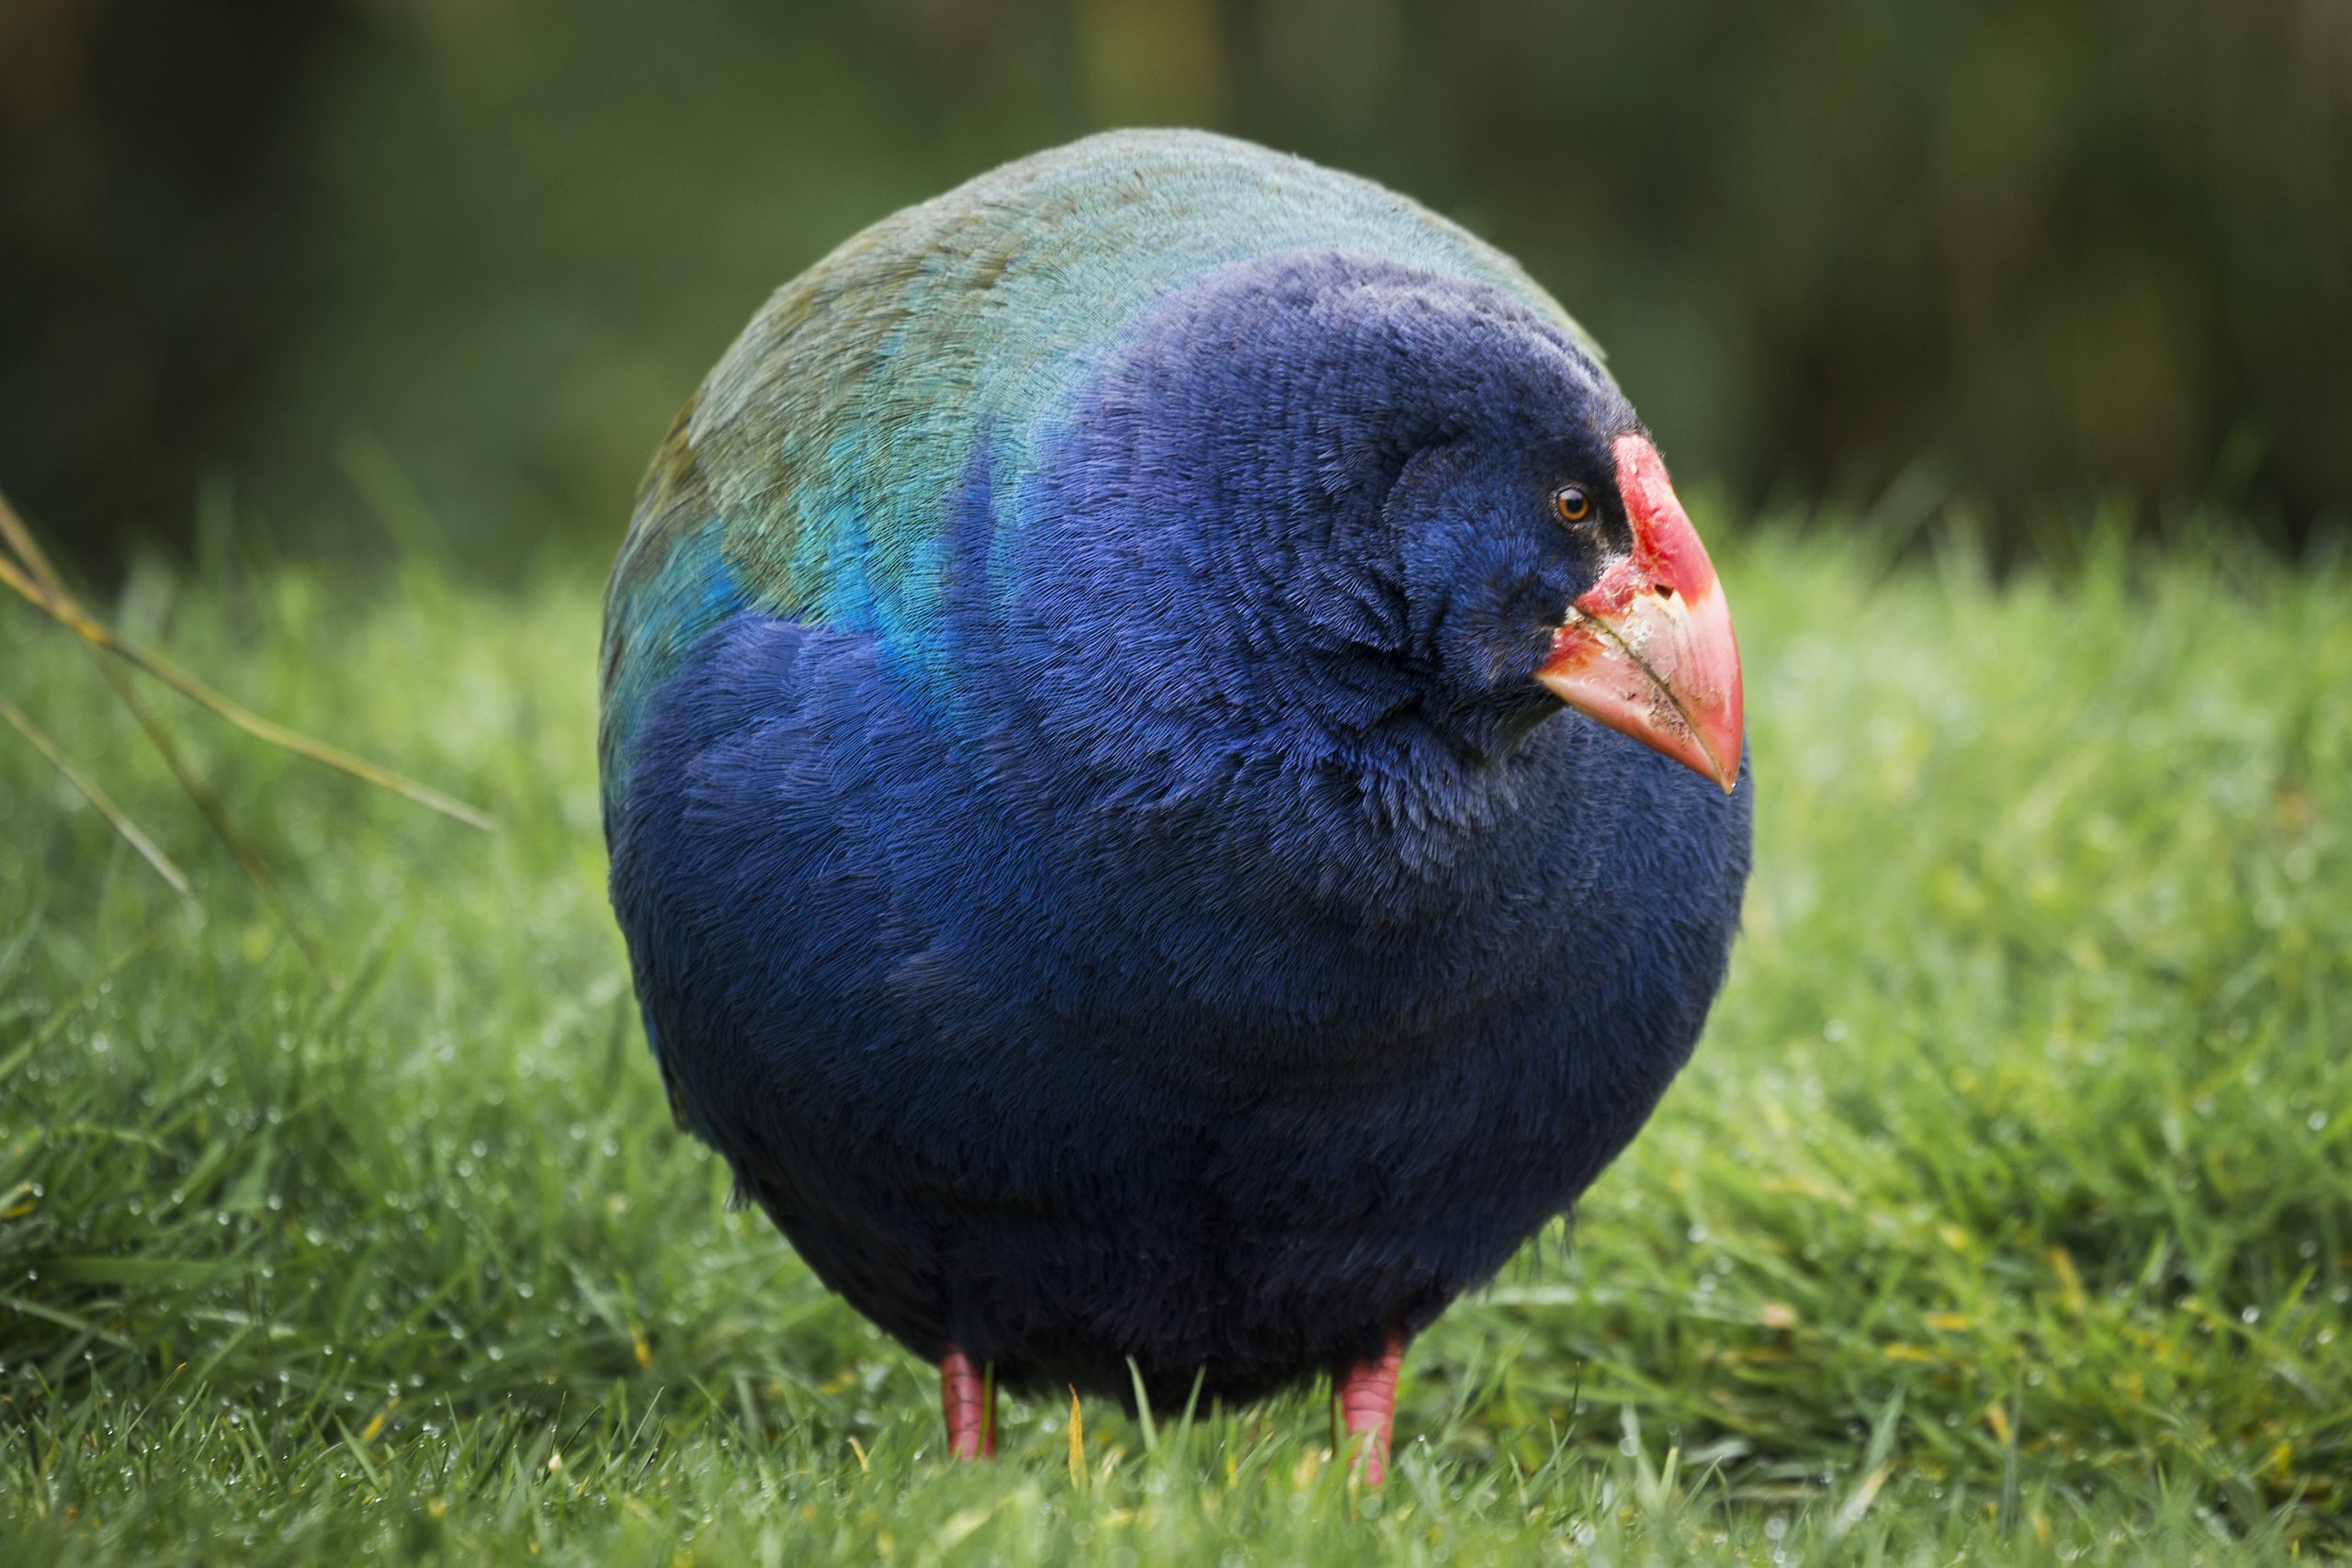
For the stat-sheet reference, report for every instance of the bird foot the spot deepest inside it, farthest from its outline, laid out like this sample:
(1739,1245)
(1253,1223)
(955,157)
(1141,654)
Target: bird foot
(1363,1402)
(968,1398)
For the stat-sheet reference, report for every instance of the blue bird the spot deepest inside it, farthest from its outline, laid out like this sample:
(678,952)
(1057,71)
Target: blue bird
(1173,770)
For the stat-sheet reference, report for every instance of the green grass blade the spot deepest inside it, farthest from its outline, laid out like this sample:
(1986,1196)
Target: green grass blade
(41,586)
(115,816)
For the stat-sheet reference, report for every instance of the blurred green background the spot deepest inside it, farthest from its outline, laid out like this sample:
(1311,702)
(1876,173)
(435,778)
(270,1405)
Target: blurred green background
(1990,260)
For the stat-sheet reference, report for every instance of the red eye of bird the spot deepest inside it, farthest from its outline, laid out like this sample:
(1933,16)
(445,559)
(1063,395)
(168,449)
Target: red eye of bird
(1572,503)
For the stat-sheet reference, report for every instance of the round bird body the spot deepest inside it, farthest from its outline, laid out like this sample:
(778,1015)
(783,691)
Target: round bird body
(1174,787)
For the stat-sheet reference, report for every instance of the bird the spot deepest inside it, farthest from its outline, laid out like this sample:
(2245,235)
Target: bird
(1174,775)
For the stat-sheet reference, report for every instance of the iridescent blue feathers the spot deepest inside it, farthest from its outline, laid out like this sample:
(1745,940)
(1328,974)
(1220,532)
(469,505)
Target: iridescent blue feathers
(809,477)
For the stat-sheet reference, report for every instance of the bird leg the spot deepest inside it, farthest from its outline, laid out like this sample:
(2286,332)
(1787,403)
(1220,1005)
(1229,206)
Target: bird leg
(1364,1402)
(968,1398)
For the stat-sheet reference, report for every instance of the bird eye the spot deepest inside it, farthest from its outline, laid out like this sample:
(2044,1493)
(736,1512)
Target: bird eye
(1572,503)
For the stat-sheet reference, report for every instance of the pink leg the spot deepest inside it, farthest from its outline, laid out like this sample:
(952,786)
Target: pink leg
(968,1398)
(1366,1398)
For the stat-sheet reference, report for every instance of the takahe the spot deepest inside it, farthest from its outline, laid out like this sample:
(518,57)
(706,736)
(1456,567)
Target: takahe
(1174,773)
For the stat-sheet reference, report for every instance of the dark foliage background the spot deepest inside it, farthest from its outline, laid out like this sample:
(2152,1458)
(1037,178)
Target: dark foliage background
(2009,255)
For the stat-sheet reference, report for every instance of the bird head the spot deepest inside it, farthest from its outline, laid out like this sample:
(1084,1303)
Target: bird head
(1549,561)
(1387,497)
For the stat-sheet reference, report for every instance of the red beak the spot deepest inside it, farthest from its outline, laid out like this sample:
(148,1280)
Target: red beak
(1649,650)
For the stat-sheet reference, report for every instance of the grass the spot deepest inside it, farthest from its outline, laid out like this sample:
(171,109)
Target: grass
(2006,1210)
